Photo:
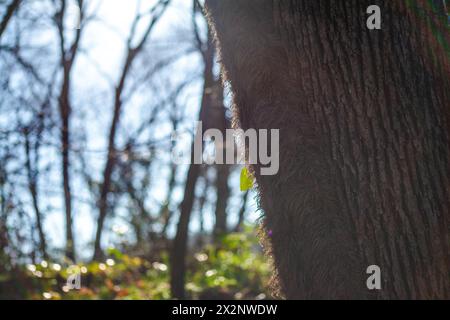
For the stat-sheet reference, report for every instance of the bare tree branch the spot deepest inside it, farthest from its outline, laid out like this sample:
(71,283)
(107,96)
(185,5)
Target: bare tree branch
(132,52)
(67,56)
(11,9)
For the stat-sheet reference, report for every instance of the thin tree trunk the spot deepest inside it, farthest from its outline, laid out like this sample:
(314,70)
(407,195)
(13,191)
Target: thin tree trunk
(10,10)
(132,52)
(200,205)
(65,111)
(180,242)
(223,193)
(241,215)
(32,187)
(107,172)
(111,156)
(218,120)
(179,246)
(140,216)
(165,211)
(67,56)
(364,150)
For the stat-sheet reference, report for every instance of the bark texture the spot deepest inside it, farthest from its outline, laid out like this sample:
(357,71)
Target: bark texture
(364,150)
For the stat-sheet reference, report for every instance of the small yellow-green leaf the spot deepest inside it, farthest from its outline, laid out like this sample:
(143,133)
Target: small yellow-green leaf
(247,180)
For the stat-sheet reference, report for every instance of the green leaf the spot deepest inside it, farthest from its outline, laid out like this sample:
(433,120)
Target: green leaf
(247,180)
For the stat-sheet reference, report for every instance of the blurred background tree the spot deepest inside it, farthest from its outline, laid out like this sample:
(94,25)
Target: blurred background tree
(91,94)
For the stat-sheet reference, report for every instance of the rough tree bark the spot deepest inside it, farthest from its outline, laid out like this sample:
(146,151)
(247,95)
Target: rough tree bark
(364,150)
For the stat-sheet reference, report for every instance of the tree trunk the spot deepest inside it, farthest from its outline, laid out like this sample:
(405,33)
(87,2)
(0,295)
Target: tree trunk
(364,140)
(241,215)
(110,164)
(107,176)
(217,118)
(33,188)
(67,56)
(200,204)
(65,111)
(223,193)
(179,246)
(132,53)
(165,212)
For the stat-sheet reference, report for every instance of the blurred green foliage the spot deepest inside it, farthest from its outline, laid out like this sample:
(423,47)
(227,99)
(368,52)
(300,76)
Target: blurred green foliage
(233,268)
